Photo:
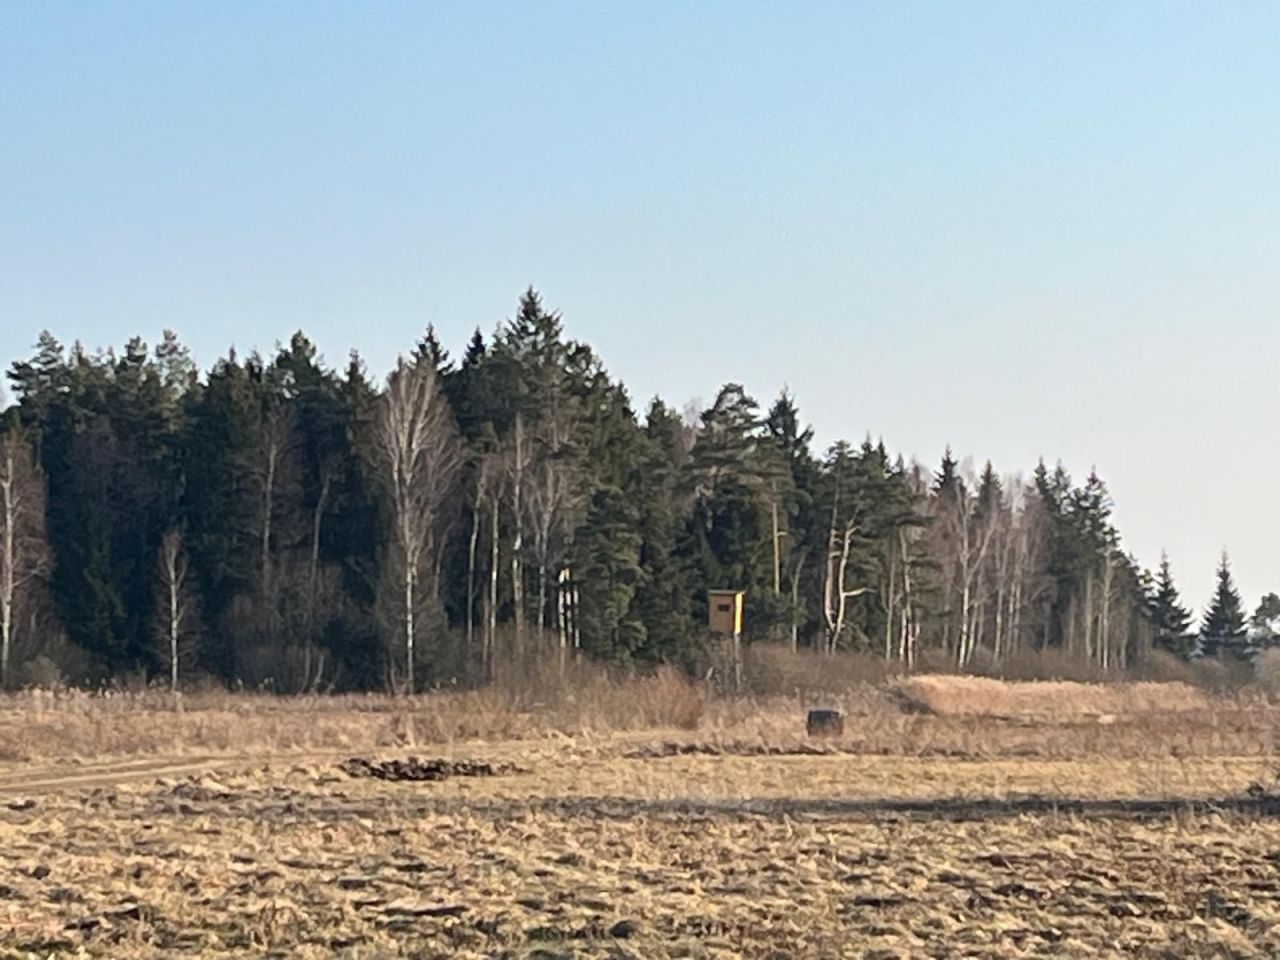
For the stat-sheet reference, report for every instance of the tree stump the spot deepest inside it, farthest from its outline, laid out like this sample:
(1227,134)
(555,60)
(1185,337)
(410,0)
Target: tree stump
(825,723)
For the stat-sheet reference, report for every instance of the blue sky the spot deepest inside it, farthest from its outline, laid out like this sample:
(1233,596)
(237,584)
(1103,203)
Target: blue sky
(1022,229)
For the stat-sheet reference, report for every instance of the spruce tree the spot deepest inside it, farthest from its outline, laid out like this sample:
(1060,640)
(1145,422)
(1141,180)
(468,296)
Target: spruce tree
(664,593)
(607,569)
(801,530)
(1223,630)
(1170,620)
(728,530)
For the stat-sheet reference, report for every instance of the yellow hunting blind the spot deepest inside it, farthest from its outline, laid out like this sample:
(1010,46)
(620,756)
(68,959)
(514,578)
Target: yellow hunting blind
(724,612)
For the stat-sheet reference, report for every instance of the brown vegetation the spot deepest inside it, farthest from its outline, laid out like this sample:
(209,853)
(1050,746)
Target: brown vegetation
(577,812)
(913,716)
(982,696)
(584,852)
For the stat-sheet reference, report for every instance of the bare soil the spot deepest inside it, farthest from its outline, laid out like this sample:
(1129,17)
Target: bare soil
(602,847)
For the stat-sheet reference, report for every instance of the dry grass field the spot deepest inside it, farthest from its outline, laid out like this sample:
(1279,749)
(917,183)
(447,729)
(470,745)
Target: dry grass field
(643,819)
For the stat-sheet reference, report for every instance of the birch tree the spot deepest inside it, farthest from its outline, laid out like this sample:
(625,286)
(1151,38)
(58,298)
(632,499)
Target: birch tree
(23,547)
(843,533)
(177,616)
(518,462)
(554,498)
(482,481)
(273,473)
(419,457)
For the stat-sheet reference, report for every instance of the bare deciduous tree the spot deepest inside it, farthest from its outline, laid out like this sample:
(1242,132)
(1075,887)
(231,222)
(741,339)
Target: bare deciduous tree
(320,591)
(491,606)
(177,616)
(23,547)
(554,500)
(272,470)
(518,462)
(418,451)
(836,593)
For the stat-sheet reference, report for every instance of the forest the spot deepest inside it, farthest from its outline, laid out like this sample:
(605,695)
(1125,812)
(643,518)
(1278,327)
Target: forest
(275,523)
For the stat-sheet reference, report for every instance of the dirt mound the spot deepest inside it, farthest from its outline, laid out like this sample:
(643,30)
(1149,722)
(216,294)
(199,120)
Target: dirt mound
(413,769)
(658,751)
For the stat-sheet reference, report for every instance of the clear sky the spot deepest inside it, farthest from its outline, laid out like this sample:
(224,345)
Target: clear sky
(1024,229)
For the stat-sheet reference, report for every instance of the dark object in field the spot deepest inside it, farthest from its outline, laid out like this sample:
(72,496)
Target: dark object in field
(623,929)
(413,769)
(738,748)
(825,723)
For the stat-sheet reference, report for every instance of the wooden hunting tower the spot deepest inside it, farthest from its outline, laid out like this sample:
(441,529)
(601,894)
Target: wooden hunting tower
(724,612)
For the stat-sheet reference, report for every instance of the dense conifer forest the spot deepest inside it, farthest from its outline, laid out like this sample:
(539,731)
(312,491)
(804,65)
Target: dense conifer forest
(279,523)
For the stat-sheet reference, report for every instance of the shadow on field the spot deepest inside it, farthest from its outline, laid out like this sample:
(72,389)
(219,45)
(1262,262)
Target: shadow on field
(952,809)
(691,810)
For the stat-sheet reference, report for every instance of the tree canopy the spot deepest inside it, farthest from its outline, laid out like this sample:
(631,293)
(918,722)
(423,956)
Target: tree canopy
(316,530)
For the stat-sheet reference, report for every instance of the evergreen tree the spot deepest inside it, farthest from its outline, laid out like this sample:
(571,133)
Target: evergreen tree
(38,381)
(947,482)
(798,535)
(664,594)
(568,513)
(607,569)
(726,540)
(431,350)
(1222,632)
(1170,620)
(219,505)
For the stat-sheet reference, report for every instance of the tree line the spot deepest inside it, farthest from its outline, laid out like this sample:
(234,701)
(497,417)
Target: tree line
(279,523)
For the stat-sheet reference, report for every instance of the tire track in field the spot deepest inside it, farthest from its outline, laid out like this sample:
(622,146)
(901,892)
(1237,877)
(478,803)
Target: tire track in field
(40,780)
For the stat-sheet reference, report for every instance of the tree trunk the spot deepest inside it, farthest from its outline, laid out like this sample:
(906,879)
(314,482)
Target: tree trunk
(777,559)
(999,640)
(491,623)
(1087,621)
(473,546)
(22,543)
(472,543)
(313,576)
(268,509)
(174,623)
(890,602)
(517,542)
(8,560)
(963,641)
(837,597)
(409,626)
(542,589)
(1104,625)
(795,604)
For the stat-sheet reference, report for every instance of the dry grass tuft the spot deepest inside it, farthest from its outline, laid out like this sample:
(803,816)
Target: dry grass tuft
(982,696)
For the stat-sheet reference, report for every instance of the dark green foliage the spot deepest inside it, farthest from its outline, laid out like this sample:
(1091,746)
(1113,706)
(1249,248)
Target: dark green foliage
(726,540)
(1222,632)
(1170,620)
(569,514)
(108,433)
(607,569)
(663,597)
(793,489)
